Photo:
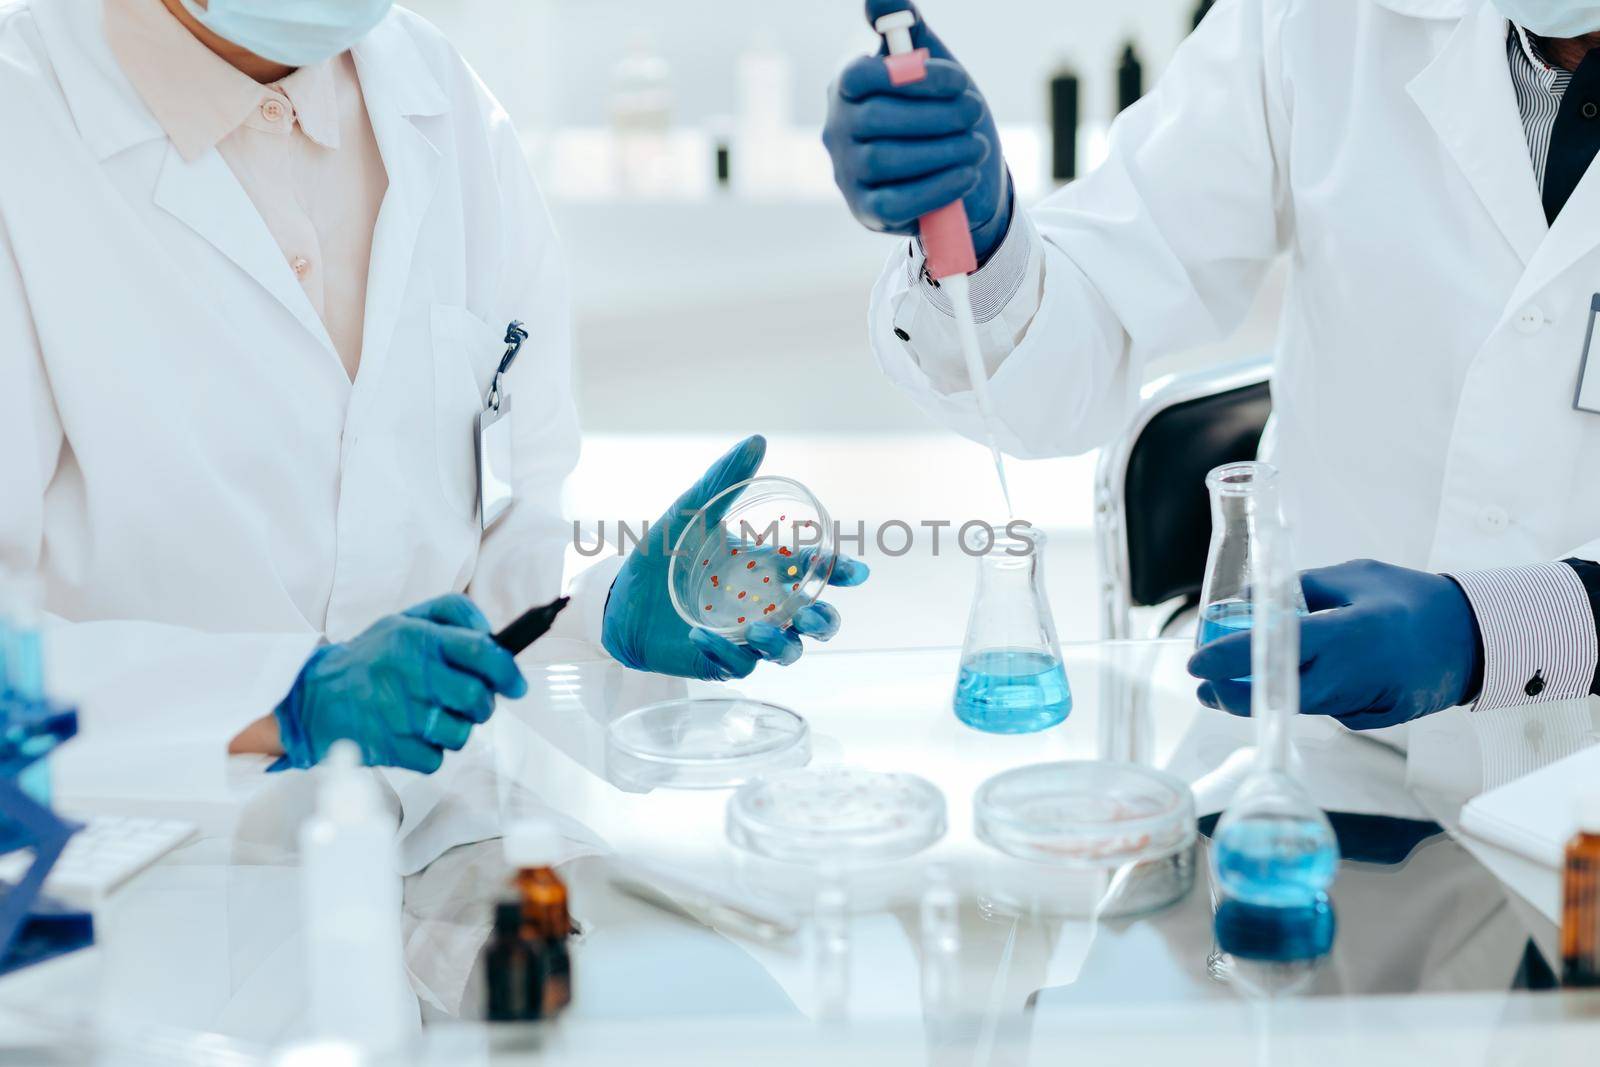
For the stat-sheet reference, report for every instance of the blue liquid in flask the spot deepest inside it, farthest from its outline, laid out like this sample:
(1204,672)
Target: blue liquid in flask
(1277,862)
(1223,618)
(1010,691)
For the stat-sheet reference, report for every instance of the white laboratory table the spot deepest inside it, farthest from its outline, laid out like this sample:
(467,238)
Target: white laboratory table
(199,959)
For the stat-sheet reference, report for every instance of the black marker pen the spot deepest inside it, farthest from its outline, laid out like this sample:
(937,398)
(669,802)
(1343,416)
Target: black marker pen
(529,627)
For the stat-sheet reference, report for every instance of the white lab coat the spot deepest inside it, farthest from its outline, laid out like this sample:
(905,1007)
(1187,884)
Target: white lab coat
(182,455)
(1433,328)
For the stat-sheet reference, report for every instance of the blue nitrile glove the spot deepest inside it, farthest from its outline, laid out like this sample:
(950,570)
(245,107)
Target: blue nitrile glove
(408,688)
(901,152)
(641,628)
(1383,645)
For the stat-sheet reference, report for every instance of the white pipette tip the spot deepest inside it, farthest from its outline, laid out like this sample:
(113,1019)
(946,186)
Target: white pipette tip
(896,29)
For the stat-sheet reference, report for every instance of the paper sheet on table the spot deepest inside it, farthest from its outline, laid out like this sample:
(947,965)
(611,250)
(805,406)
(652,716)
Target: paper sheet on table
(1535,815)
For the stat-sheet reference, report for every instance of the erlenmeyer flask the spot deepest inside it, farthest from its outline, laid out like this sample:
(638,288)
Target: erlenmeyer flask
(1274,854)
(1241,494)
(1011,680)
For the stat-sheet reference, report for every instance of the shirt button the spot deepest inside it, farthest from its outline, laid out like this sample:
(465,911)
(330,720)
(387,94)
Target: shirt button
(301,265)
(1493,520)
(272,110)
(1530,320)
(1589,109)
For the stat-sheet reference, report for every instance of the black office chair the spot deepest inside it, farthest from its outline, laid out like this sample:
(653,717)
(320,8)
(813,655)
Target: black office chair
(1152,511)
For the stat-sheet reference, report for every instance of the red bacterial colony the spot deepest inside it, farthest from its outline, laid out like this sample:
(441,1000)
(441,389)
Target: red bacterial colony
(741,618)
(713,581)
(764,581)
(796,585)
(784,552)
(769,609)
(750,566)
(733,551)
(741,596)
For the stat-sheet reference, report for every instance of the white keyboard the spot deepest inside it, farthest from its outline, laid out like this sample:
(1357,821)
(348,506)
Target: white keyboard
(107,852)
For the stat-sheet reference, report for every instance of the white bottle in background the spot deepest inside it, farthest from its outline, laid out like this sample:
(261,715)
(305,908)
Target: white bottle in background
(762,157)
(350,900)
(641,118)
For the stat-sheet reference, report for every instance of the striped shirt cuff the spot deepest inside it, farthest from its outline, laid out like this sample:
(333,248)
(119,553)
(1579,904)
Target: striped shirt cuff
(993,284)
(1538,629)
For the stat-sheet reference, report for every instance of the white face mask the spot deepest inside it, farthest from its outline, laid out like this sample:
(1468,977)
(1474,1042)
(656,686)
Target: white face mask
(296,33)
(1552,18)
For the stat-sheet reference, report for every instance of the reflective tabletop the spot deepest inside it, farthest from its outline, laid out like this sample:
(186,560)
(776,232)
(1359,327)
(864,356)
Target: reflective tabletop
(683,933)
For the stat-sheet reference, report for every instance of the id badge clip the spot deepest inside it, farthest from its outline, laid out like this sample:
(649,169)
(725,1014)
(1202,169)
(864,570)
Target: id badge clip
(495,493)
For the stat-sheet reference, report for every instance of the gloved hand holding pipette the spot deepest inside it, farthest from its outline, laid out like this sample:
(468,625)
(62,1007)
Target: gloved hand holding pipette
(903,150)
(901,131)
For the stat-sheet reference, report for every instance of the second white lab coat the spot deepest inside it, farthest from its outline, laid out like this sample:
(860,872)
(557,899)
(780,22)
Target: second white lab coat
(183,458)
(1433,328)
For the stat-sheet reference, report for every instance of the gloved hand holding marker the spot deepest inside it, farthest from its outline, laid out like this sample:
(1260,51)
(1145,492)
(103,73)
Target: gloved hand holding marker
(405,691)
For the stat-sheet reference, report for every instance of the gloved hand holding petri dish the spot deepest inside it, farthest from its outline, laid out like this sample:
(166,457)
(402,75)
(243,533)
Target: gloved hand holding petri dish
(769,557)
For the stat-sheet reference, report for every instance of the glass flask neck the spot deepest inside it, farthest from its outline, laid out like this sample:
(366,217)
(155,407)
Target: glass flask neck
(1275,642)
(1010,609)
(1239,493)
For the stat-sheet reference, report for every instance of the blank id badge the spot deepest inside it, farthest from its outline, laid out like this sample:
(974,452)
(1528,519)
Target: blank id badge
(494,463)
(493,438)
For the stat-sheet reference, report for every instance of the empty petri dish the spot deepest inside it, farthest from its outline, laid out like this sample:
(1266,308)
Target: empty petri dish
(771,554)
(1085,814)
(838,815)
(704,743)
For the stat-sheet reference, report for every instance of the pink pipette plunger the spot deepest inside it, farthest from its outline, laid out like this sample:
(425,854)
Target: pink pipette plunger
(946,239)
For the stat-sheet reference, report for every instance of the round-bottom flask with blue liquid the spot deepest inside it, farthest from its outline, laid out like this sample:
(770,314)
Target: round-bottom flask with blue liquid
(1274,857)
(1011,679)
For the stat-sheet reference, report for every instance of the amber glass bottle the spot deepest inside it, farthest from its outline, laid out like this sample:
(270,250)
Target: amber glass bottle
(534,850)
(1580,901)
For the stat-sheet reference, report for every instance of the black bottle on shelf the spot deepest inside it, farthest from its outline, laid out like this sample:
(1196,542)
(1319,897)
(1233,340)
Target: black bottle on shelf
(1130,79)
(1064,115)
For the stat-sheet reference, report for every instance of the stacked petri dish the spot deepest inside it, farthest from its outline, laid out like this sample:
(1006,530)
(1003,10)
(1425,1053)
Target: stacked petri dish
(795,827)
(703,743)
(1083,838)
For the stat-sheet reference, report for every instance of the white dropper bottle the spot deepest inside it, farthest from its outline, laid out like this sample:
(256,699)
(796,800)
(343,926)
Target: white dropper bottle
(351,901)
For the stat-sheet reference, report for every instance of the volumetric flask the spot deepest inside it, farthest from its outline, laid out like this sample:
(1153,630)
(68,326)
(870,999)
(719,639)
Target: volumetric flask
(1274,853)
(1011,680)
(1241,493)
(758,551)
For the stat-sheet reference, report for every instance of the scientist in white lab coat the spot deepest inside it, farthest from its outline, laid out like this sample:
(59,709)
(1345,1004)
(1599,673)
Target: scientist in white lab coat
(257,264)
(1424,167)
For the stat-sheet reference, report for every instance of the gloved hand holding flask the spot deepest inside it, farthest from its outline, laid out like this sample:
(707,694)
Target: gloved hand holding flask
(1383,645)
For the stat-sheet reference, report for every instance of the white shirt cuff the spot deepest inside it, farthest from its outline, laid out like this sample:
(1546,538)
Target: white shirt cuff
(993,285)
(1006,295)
(1538,629)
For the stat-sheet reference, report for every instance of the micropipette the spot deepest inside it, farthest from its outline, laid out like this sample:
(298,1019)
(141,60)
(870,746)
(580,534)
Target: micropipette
(947,239)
